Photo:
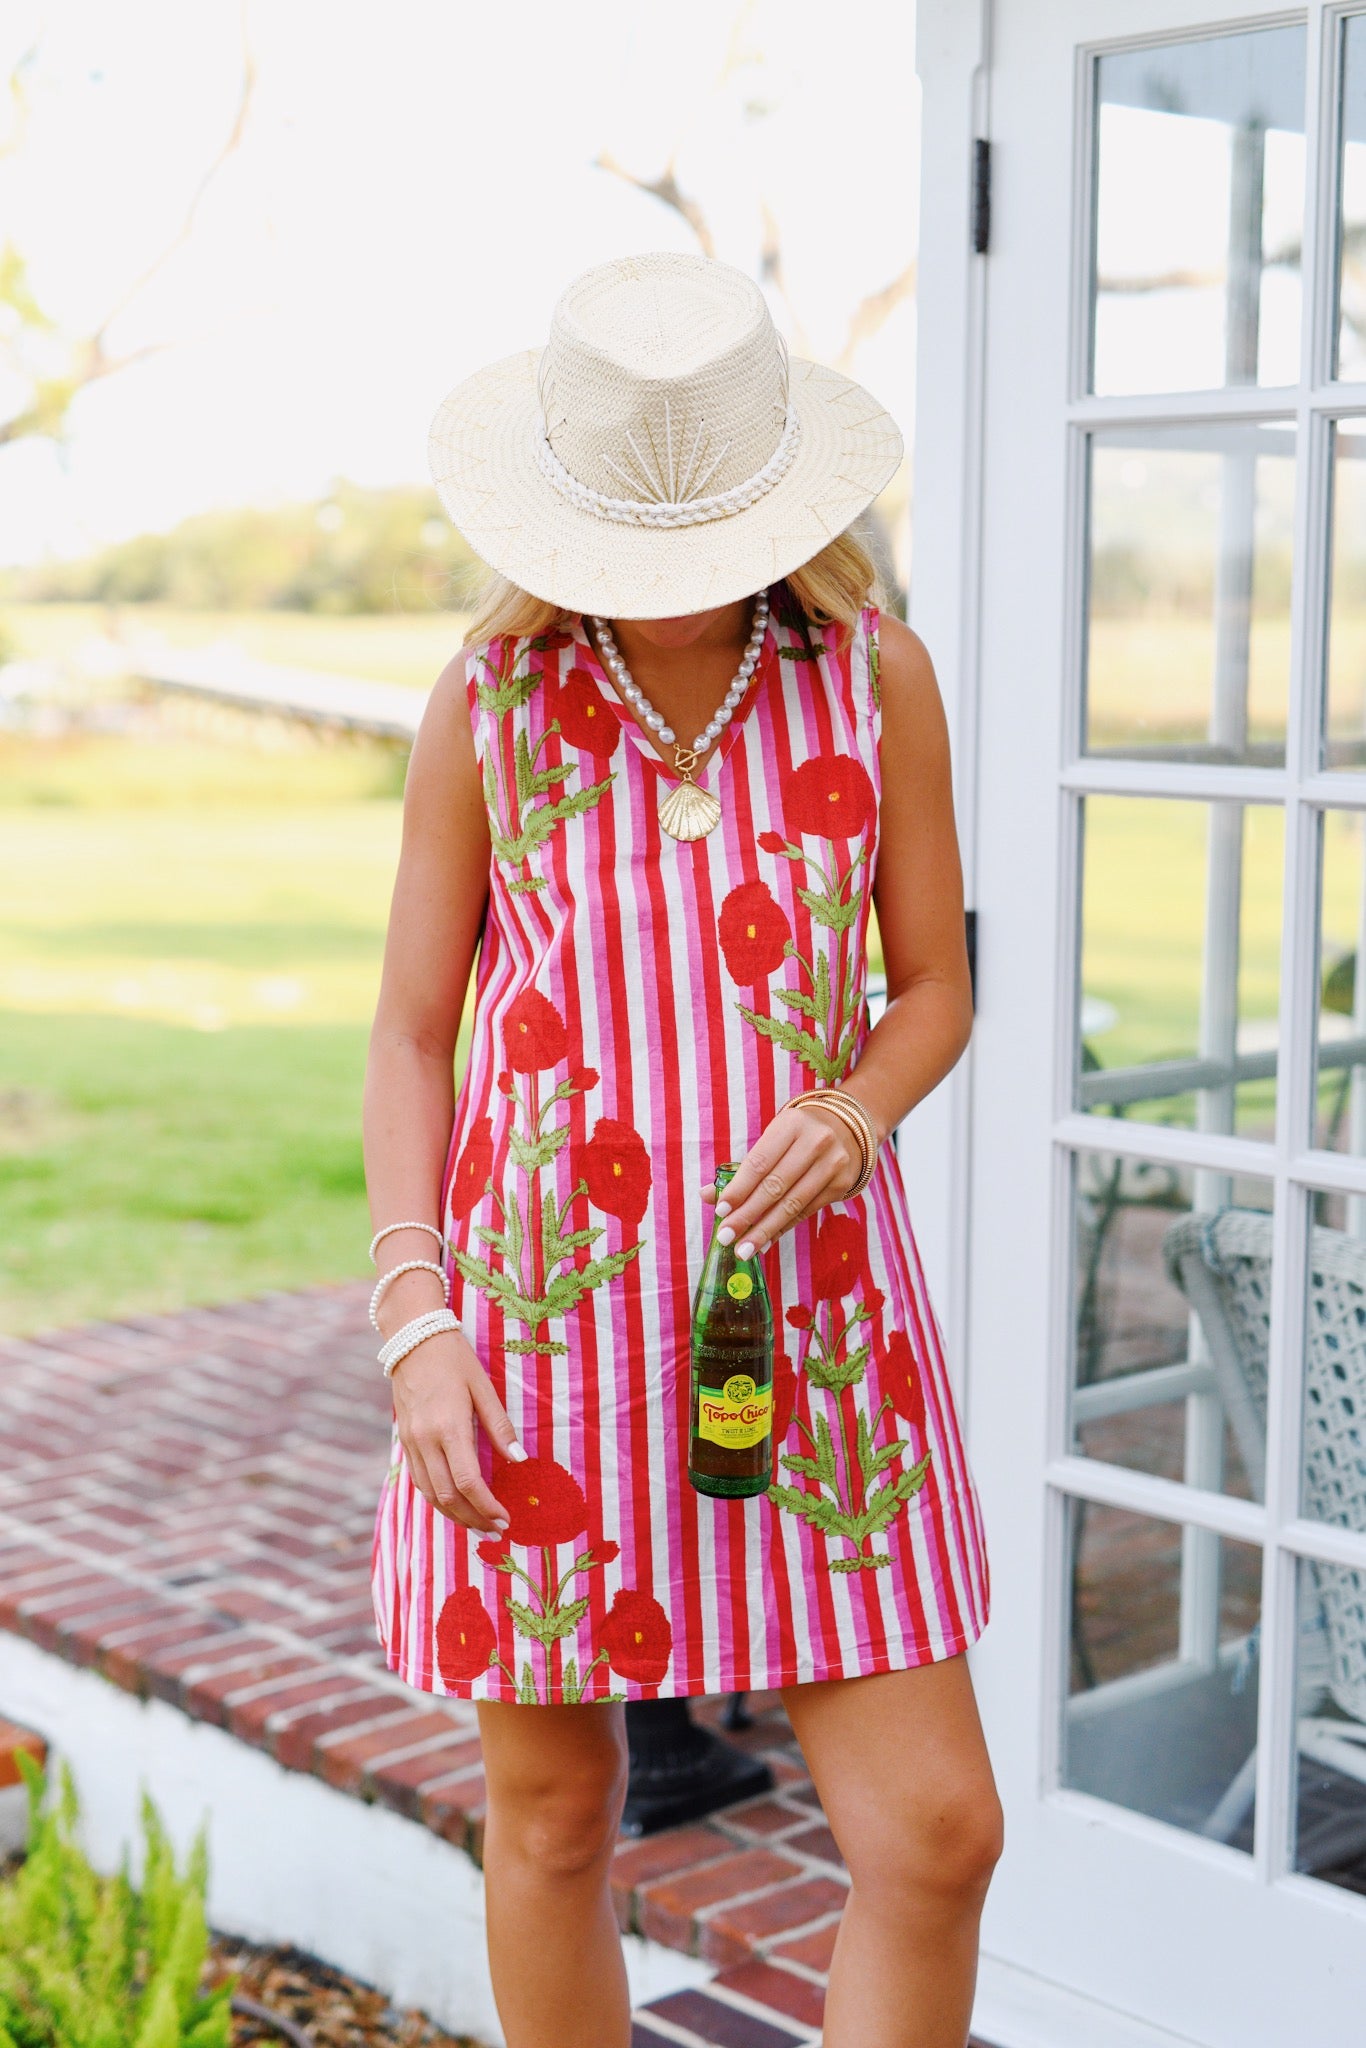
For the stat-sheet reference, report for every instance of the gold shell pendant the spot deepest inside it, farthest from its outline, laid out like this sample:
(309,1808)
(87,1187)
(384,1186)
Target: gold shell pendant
(688,812)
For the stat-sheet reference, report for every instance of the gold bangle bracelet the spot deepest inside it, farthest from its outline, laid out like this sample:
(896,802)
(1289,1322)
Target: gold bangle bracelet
(850,1112)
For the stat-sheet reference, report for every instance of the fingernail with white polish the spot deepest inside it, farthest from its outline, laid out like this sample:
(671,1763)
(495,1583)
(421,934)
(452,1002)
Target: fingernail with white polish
(517,1452)
(726,1234)
(723,1208)
(745,1250)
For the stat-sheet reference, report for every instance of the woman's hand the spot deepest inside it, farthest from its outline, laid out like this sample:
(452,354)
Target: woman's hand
(805,1158)
(439,1390)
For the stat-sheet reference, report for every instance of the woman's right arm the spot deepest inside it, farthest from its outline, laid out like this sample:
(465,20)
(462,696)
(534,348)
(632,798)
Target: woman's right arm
(434,919)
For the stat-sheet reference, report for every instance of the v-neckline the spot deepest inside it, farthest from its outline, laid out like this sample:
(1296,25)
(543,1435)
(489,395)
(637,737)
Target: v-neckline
(716,756)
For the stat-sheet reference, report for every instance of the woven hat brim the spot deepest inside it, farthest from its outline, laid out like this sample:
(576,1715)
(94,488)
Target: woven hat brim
(482,450)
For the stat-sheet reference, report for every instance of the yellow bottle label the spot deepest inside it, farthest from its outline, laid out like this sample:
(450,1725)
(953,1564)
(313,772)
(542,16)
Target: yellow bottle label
(738,1415)
(740,1286)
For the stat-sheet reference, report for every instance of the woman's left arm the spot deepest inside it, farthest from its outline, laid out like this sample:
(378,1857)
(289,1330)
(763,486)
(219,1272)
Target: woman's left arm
(806,1158)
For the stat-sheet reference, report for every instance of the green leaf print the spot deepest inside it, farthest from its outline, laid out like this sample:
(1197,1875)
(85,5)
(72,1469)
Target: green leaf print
(501,696)
(551,1627)
(829,911)
(795,999)
(519,823)
(837,1501)
(531,1152)
(794,1040)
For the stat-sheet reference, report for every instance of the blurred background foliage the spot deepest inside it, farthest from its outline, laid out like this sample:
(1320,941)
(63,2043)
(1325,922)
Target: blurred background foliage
(355,551)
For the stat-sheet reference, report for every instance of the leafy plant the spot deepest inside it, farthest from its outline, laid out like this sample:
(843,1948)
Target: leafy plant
(90,1962)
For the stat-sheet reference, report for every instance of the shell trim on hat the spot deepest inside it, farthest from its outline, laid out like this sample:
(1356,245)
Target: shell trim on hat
(686,509)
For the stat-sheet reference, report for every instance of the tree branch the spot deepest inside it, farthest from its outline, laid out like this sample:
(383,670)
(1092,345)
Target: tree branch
(230,144)
(873,313)
(666,189)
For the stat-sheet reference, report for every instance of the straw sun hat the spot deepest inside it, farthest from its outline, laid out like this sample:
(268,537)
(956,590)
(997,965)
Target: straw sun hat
(662,454)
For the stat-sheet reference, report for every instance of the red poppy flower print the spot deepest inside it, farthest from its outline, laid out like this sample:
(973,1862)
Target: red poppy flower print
(754,930)
(637,1638)
(586,719)
(830,796)
(535,1033)
(772,842)
(493,1550)
(901,1380)
(839,1258)
(604,1553)
(544,1502)
(465,1637)
(472,1168)
(616,1166)
(800,1318)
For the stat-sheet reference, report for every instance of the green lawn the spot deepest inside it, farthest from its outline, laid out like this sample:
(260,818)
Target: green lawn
(190,942)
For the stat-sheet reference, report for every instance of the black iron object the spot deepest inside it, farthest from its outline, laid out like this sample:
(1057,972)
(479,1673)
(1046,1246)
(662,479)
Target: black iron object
(679,1772)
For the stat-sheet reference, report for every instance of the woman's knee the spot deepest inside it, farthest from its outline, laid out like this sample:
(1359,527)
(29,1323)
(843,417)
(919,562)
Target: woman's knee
(939,1846)
(561,1816)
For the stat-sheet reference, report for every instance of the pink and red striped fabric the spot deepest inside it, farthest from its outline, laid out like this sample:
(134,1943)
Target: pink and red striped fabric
(643,1008)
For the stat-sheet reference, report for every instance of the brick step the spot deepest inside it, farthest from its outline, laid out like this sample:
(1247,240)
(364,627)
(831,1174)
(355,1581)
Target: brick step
(187,1511)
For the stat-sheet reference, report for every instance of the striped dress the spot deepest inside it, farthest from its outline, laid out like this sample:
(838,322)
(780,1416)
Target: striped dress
(643,1008)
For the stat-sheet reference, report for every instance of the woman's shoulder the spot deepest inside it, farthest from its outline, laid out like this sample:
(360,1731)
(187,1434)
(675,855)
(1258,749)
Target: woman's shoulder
(906,670)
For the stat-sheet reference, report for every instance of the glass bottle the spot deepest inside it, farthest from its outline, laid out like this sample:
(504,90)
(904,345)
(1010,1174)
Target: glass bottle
(730,1451)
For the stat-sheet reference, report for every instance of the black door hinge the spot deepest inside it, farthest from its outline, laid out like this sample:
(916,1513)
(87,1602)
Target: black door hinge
(981,196)
(970,933)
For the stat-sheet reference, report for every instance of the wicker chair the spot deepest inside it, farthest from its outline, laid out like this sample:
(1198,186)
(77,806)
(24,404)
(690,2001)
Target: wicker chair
(1221,1261)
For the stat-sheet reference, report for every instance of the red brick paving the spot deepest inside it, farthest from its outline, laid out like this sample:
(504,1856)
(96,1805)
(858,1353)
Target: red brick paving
(186,1507)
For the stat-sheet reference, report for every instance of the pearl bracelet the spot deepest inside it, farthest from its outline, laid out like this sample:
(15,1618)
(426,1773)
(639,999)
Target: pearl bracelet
(390,1227)
(413,1333)
(407,1266)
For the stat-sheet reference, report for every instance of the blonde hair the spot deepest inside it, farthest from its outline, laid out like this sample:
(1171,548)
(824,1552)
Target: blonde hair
(832,588)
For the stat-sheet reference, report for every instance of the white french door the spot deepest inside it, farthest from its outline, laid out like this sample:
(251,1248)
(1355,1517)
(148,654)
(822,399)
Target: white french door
(1165,1287)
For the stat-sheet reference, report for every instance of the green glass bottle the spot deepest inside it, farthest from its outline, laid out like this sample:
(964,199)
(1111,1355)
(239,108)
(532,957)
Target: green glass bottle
(730,1452)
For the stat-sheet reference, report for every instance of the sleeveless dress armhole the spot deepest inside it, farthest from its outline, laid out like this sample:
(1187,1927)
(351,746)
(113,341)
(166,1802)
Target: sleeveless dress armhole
(867,668)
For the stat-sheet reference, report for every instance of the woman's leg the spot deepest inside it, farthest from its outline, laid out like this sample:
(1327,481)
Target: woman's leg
(902,1771)
(556,1781)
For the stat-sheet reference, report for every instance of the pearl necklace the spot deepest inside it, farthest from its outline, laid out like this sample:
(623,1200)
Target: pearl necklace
(687,812)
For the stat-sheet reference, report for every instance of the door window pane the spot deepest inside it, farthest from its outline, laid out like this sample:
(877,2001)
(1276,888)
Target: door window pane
(1344,696)
(1351,336)
(1199,182)
(1188,627)
(1161,1712)
(1154,1387)
(1330,1725)
(1340,1095)
(1180,962)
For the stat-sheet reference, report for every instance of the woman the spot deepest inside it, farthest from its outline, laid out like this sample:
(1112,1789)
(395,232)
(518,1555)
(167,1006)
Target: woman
(652,796)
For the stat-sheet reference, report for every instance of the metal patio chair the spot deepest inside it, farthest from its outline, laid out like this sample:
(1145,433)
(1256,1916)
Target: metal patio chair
(1221,1261)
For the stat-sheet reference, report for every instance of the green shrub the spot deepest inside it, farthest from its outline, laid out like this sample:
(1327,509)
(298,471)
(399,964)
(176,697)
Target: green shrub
(88,1961)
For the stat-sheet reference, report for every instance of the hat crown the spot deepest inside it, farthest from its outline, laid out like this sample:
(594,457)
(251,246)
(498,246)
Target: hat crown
(664,379)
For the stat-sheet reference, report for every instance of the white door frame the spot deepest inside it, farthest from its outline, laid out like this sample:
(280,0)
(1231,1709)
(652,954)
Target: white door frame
(1183,1933)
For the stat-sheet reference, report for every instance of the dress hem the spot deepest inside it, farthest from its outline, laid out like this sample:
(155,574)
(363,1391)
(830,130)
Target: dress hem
(918,1654)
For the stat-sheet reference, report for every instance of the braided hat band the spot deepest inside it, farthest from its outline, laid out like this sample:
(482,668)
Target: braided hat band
(660,454)
(661,511)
